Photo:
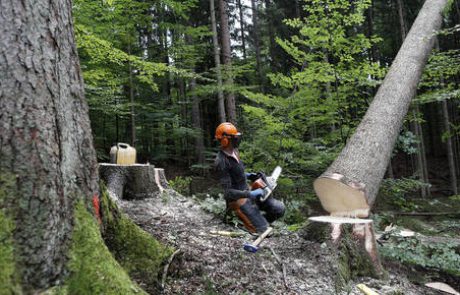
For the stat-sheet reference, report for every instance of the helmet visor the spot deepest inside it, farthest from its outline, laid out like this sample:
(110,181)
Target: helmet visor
(235,140)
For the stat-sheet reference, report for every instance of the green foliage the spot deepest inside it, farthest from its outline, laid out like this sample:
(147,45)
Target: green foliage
(137,251)
(212,205)
(93,270)
(396,192)
(335,72)
(295,214)
(407,142)
(181,184)
(440,256)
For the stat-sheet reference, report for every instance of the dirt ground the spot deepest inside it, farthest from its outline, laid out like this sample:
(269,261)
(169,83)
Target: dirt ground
(213,264)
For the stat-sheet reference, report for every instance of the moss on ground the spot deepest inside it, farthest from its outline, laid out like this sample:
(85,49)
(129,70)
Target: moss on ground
(136,250)
(9,275)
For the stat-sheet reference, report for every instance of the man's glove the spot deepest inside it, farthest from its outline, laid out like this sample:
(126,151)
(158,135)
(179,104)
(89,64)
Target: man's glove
(257,194)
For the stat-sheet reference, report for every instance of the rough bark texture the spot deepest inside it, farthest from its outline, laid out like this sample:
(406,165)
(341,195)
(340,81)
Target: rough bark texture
(255,33)
(366,155)
(138,181)
(227,60)
(243,37)
(352,242)
(45,138)
(220,93)
(450,150)
(196,123)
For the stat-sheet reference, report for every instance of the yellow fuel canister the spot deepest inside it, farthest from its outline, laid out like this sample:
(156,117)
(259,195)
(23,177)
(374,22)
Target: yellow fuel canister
(123,154)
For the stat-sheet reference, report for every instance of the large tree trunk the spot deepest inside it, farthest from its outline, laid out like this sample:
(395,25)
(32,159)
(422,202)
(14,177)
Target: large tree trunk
(45,136)
(227,60)
(220,93)
(350,184)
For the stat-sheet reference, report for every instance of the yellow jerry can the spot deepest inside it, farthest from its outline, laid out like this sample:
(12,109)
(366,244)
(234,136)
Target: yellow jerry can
(123,154)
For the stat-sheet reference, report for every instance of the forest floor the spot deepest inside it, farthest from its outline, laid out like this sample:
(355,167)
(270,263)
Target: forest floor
(213,264)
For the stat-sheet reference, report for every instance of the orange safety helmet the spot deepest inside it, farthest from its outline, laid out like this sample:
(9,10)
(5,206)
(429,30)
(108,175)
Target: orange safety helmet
(225,132)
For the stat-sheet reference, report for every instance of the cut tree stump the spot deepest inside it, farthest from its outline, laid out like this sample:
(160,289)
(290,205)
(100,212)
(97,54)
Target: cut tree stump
(136,181)
(353,242)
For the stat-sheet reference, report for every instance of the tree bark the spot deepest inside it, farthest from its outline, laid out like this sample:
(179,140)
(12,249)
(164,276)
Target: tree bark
(243,38)
(350,185)
(402,23)
(131,99)
(227,61)
(450,150)
(255,33)
(220,93)
(45,138)
(196,123)
(271,34)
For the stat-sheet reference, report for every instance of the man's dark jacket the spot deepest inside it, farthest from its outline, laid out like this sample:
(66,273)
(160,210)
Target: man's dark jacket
(231,176)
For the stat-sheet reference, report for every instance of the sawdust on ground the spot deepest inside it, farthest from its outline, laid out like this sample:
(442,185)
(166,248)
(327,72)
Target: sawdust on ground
(214,264)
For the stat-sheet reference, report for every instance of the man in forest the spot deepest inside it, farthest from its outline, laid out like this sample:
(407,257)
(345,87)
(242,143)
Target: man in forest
(246,204)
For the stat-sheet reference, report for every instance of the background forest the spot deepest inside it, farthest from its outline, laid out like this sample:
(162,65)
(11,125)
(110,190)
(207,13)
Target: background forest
(295,76)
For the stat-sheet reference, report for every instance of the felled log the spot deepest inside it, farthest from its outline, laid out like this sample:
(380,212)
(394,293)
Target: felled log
(350,185)
(136,181)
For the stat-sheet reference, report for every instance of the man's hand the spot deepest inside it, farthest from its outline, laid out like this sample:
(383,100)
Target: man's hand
(257,194)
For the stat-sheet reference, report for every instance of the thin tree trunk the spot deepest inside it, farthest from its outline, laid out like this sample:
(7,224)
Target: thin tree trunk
(402,23)
(46,144)
(255,33)
(196,122)
(350,184)
(450,151)
(227,60)
(424,163)
(370,31)
(131,99)
(297,9)
(243,38)
(220,93)
(271,34)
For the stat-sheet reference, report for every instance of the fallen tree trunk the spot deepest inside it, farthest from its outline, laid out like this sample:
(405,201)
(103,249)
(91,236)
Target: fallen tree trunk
(137,181)
(350,185)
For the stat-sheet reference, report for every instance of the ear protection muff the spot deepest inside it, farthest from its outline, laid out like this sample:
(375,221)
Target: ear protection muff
(224,142)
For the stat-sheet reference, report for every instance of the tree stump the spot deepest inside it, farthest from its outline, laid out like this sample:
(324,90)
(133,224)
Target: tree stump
(136,181)
(353,244)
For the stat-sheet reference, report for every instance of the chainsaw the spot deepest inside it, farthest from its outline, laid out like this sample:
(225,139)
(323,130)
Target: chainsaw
(267,183)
